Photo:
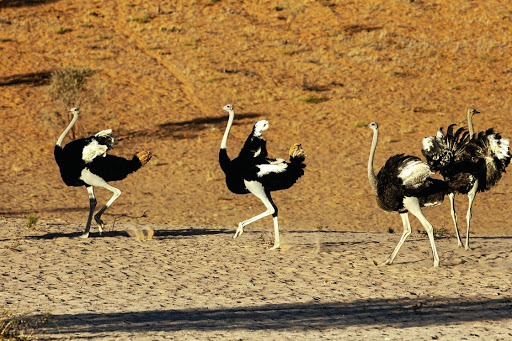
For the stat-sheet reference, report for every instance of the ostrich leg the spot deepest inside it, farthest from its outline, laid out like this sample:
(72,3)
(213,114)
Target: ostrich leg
(406,233)
(412,204)
(97,217)
(92,206)
(94,180)
(454,217)
(259,191)
(471,197)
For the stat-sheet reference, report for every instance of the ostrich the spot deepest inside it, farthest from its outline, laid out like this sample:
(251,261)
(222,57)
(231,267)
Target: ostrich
(254,172)
(469,163)
(404,185)
(85,162)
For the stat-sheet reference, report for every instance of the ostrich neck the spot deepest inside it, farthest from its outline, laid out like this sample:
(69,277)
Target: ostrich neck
(66,131)
(371,173)
(224,143)
(470,124)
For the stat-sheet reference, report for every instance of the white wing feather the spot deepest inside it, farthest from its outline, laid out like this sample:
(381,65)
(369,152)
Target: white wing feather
(414,173)
(93,150)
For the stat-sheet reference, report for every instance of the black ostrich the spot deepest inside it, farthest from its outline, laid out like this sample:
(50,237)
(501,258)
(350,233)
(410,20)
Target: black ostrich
(469,163)
(85,162)
(404,185)
(254,172)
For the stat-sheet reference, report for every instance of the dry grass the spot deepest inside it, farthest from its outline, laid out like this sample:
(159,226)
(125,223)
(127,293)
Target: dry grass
(19,326)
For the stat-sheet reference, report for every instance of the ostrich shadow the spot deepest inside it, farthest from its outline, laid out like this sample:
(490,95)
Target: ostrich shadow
(25,3)
(185,129)
(32,79)
(73,235)
(189,232)
(370,312)
(159,234)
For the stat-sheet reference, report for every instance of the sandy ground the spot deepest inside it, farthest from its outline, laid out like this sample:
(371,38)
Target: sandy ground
(199,283)
(318,70)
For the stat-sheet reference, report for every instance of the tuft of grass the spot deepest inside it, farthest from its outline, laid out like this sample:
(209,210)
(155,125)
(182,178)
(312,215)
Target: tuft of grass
(313,99)
(359,124)
(143,20)
(31,221)
(441,232)
(312,85)
(68,84)
(63,30)
(18,326)
(171,29)
(6,40)
(390,230)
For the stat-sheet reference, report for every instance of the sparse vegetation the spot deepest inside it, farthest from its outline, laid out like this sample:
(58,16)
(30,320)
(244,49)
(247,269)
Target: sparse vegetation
(31,221)
(62,30)
(309,84)
(68,85)
(16,326)
(171,29)
(359,124)
(441,232)
(143,20)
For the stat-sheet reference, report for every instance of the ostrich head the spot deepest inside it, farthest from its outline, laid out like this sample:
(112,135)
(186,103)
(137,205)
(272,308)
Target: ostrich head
(74,111)
(472,111)
(260,126)
(228,107)
(373,126)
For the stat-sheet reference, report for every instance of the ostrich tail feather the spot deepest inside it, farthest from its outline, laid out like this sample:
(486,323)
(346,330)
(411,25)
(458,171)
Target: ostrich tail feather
(297,153)
(144,157)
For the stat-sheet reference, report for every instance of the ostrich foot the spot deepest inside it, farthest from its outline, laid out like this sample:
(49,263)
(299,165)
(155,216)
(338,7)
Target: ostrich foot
(239,231)
(101,224)
(386,262)
(84,235)
(467,247)
(276,246)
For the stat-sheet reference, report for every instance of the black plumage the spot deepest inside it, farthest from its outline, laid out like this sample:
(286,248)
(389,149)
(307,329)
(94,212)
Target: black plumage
(468,163)
(252,171)
(85,162)
(404,185)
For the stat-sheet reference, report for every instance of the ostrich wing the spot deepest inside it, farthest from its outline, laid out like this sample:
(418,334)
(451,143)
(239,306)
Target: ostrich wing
(98,145)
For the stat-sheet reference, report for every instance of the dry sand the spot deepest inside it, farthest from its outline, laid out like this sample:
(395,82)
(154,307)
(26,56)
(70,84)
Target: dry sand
(199,283)
(163,72)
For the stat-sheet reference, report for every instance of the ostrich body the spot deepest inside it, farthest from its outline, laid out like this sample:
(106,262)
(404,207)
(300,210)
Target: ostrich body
(85,162)
(469,163)
(252,171)
(404,185)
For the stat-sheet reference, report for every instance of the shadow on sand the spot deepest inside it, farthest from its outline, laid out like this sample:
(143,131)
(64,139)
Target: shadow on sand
(159,234)
(185,129)
(402,313)
(32,79)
